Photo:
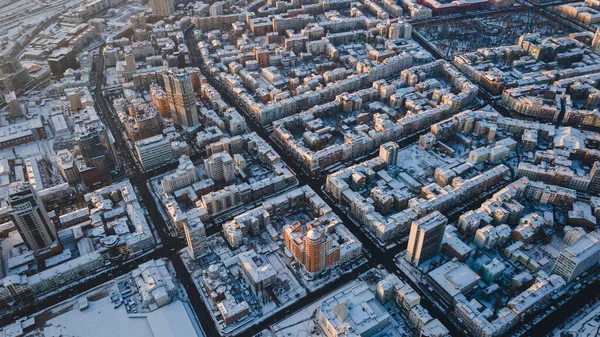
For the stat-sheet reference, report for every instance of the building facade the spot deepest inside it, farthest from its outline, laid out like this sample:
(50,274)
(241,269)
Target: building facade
(181,97)
(162,7)
(426,235)
(220,167)
(31,219)
(153,152)
(195,236)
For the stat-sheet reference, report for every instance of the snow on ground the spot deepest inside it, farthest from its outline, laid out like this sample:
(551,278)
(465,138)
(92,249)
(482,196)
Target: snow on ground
(99,320)
(13,239)
(489,108)
(417,162)
(586,326)
(111,76)
(301,323)
(25,21)
(452,36)
(6,245)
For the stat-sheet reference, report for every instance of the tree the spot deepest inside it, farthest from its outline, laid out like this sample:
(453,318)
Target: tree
(498,302)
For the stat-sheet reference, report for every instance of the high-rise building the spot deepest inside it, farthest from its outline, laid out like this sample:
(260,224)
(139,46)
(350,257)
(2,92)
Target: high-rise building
(12,74)
(142,121)
(67,167)
(318,247)
(181,96)
(220,167)
(154,151)
(159,98)
(313,246)
(594,185)
(31,219)
(425,241)
(216,9)
(162,7)
(578,257)
(184,175)
(596,41)
(389,152)
(138,21)
(195,235)
(111,56)
(262,56)
(130,66)
(96,148)
(14,106)
(61,60)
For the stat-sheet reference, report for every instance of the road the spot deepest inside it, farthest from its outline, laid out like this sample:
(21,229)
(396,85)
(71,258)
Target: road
(383,258)
(375,253)
(171,245)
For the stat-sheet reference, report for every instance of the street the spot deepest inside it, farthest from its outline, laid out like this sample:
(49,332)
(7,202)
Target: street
(170,245)
(383,258)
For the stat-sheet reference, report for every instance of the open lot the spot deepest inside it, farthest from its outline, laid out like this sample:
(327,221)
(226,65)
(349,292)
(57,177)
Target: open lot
(456,36)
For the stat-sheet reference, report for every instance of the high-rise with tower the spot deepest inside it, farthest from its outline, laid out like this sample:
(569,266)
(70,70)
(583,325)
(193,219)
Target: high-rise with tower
(181,97)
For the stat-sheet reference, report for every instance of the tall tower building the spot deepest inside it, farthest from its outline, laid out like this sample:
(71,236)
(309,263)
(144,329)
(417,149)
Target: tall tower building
(162,7)
(195,235)
(594,186)
(314,250)
(96,147)
(425,241)
(216,8)
(262,56)
(181,96)
(14,106)
(143,121)
(596,41)
(220,167)
(130,66)
(389,152)
(14,76)
(154,151)
(138,21)
(31,219)
(159,98)
(67,166)
(317,249)
(578,257)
